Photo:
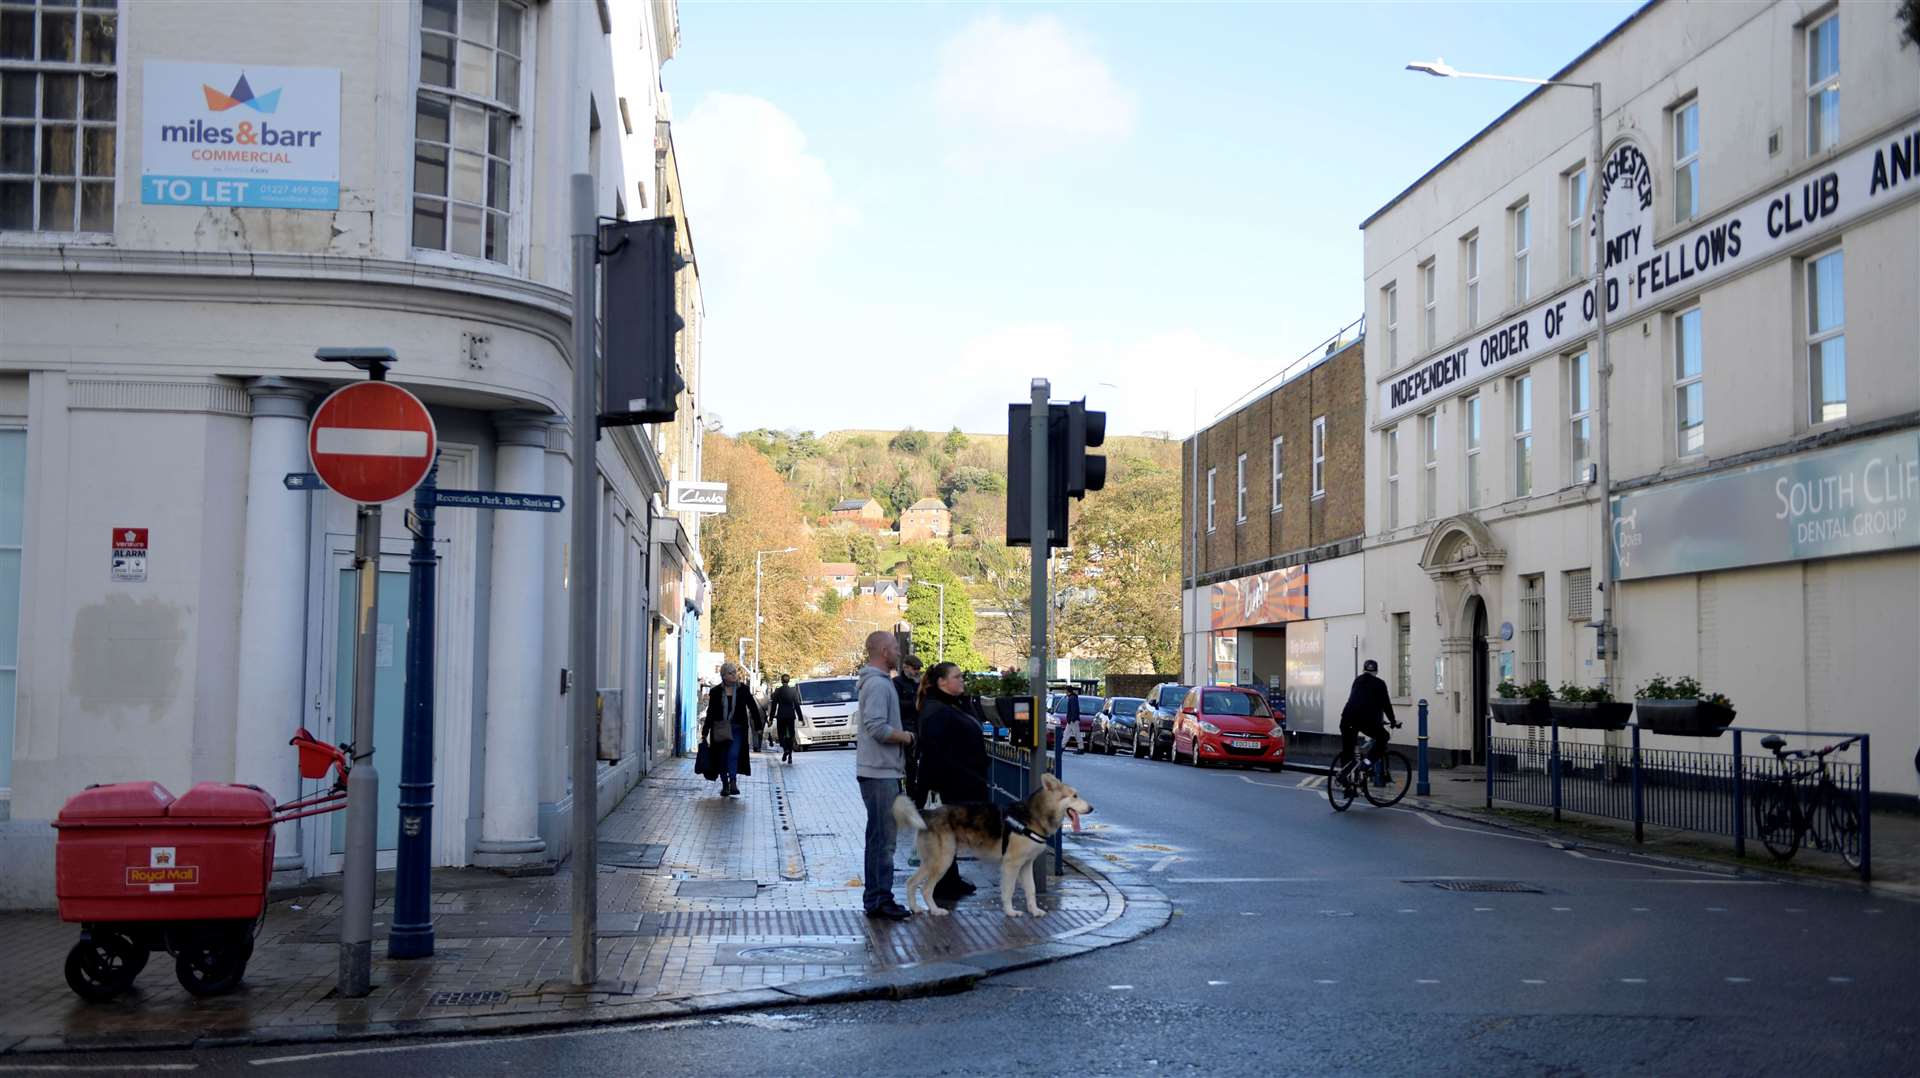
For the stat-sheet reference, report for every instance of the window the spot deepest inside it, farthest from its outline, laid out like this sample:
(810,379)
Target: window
(465,119)
(1579,415)
(1689,400)
(1402,655)
(1686,161)
(1210,472)
(1533,629)
(1522,253)
(1240,489)
(1823,84)
(1827,337)
(1429,307)
(1319,456)
(1390,299)
(57,115)
(1470,256)
(1277,472)
(13,490)
(1429,465)
(1577,224)
(1393,478)
(1473,451)
(1522,435)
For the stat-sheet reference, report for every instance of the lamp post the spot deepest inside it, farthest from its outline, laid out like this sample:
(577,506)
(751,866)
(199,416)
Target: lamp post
(940,649)
(757,665)
(1609,646)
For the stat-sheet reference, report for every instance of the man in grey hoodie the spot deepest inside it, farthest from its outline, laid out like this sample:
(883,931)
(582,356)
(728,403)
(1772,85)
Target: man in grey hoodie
(880,764)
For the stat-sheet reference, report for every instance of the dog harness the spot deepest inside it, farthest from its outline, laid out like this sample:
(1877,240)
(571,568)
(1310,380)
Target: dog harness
(1016,825)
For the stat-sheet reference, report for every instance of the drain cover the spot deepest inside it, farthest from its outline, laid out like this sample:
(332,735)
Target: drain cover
(632,854)
(1505,886)
(792,953)
(466,999)
(717,889)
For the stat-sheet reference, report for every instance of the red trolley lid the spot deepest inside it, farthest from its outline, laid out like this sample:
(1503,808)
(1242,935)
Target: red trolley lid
(119,800)
(223,800)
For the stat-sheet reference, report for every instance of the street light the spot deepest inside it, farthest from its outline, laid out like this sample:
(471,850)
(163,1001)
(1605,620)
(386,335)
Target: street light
(757,665)
(1596,190)
(940,650)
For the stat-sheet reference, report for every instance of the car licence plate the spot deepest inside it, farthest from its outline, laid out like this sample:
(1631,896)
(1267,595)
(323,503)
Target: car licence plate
(1245,744)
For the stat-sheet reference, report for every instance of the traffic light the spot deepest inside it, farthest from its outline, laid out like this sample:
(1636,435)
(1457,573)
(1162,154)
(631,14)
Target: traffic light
(640,372)
(1085,430)
(1071,471)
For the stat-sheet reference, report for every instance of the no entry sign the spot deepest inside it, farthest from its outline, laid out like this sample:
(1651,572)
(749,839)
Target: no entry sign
(371,441)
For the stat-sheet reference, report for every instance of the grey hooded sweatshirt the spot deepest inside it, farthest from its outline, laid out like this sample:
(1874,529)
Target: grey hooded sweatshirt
(879,716)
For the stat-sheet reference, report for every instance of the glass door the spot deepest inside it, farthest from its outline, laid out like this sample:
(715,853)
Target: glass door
(389,694)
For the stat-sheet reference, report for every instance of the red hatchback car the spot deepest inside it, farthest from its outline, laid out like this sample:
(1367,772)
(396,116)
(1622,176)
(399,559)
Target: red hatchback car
(1223,724)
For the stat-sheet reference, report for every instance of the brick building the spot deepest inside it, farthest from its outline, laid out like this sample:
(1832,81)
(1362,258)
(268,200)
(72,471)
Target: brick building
(928,518)
(1277,502)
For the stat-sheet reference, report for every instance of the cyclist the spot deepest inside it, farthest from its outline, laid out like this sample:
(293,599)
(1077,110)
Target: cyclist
(1366,702)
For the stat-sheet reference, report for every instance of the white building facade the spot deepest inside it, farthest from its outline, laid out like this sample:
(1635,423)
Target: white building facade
(1761,166)
(193,198)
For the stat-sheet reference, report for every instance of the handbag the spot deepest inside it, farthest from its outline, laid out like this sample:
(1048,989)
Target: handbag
(706,762)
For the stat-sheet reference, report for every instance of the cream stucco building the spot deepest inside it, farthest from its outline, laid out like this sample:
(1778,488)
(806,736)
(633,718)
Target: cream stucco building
(193,197)
(1763,231)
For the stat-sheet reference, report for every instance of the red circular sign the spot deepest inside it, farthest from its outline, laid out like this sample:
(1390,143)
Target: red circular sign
(371,441)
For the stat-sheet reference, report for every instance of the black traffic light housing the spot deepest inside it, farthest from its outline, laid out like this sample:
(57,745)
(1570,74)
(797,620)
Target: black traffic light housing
(640,378)
(1085,430)
(1071,471)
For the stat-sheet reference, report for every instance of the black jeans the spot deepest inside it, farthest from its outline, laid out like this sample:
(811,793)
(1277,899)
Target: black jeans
(1373,728)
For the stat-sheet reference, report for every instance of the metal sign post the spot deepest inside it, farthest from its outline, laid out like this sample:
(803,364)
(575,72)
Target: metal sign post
(1041,546)
(583,589)
(412,933)
(363,782)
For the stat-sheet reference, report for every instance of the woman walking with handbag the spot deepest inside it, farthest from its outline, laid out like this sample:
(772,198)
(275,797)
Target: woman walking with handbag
(731,713)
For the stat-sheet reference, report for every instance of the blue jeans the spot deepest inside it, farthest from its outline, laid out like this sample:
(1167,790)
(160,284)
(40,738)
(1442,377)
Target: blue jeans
(878,795)
(730,759)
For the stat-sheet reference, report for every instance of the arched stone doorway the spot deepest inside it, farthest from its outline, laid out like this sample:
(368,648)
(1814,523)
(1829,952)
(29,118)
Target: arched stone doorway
(1464,562)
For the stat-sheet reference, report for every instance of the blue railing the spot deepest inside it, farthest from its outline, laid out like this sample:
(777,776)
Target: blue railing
(1009,775)
(1720,793)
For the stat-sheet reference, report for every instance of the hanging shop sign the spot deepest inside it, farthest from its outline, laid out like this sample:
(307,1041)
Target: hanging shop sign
(686,496)
(1261,599)
(1641,275)
(1851,499)
(217,134)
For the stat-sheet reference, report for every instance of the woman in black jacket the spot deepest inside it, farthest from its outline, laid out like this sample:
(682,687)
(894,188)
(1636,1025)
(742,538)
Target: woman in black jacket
(953,757)
(731,713)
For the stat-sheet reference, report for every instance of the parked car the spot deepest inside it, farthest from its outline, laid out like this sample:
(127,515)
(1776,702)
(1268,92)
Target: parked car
(1080,728)
(1113,727)
(1228,724)
(1153,727)
(827,706)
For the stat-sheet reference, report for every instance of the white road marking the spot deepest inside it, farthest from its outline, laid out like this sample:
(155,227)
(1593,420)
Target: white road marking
(1121,987)
(1161,865)
(1639,864)
(1716,909)
(1248,913)
(22,1068)
(1483,909)
(1409,911)
(1633,980)
(1531,980)
(1739,980)
(1840,980)
(1720,883)
(1640,909)
(1468,830)
(370,442)
(1325,980)
(1248,879)
(1563,909)
(1425,980)
(1216,984)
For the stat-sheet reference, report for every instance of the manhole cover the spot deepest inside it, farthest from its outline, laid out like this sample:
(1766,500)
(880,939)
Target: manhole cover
(794,953)
(1505,886)
(466,999)
(632,854)
(791,953)
(717,889)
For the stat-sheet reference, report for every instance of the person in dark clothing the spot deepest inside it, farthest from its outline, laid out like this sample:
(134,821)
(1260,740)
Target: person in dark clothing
(731,713)
(953,757)
(1367,701)
(786,710)
(907,684)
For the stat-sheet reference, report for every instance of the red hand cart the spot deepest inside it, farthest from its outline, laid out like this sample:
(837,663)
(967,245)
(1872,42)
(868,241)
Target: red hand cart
(141,870)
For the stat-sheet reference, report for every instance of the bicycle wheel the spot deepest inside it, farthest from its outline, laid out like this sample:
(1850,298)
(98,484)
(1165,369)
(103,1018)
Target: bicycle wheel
(1399,779)
(1843,825)
(1339,786)
(1773,820)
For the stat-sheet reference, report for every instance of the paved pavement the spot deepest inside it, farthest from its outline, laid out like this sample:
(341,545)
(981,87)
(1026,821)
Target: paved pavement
(707,904)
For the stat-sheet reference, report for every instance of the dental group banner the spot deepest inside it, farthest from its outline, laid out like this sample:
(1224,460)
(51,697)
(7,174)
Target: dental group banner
(1640,275)
(216,134)
(1851,499)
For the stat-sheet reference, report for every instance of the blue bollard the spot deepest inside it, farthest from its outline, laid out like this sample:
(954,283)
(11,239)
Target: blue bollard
(1553,770)
(1424,788)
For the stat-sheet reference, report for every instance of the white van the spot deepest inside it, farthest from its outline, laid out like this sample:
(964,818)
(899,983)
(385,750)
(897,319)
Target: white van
(827,711)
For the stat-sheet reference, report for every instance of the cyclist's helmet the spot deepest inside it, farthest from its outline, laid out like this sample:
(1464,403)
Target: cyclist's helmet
(1371,667)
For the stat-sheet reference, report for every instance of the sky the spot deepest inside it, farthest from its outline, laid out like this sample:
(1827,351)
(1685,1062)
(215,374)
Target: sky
(904,213)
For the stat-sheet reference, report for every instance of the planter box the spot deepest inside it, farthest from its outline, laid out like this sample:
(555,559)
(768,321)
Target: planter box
(1608,715)
(1684,718)
(1520,712)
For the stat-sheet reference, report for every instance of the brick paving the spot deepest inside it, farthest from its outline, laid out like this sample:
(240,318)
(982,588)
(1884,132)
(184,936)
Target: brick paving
(671,936)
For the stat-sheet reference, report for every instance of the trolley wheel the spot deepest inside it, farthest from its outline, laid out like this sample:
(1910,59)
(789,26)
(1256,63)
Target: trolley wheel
(103,965)
(212,962)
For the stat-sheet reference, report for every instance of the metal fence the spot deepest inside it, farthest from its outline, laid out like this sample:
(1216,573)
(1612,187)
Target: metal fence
(1721,793)
(1009,775)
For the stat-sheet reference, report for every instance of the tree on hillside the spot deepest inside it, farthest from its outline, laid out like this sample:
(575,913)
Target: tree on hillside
(928,564)
(954,442)
(762,514)
(899,494)
(910,441)
(1122,576)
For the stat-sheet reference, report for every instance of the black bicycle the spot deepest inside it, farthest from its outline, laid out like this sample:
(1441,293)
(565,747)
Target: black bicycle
(1382,787)
(1803,802)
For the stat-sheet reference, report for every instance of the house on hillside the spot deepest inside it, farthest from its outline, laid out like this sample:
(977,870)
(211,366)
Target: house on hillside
(841,576)
(889,590)
(866,512)
(928,518)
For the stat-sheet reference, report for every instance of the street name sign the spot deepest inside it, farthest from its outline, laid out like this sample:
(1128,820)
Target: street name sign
(371,442)
(500,499)
(302,481)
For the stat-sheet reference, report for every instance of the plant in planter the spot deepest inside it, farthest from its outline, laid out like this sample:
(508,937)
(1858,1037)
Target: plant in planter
(1522,705)
(1583,708)
(1679,707)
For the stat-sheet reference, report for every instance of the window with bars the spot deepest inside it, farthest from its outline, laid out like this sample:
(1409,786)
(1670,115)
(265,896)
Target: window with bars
(1402,655)
(467,113)
(58,118)
(1823,84)
(1579,595)
(1533,629)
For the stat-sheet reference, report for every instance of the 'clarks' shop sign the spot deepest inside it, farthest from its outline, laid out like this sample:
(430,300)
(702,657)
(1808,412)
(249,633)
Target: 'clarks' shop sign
(1640,275)
(1852,499)
(240,135)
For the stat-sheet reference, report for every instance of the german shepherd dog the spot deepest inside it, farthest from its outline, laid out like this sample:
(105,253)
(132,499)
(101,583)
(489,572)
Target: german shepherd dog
(1015,836)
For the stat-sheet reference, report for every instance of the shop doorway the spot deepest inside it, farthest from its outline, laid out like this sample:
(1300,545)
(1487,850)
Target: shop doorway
(1477,714)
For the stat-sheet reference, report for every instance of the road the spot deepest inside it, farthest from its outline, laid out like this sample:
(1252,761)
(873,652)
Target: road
(1309,942)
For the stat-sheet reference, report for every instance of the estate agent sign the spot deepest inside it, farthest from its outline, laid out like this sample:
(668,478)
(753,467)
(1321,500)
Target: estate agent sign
(214,134)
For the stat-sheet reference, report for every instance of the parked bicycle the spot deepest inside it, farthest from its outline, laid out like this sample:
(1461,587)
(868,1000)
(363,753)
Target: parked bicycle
(1803,803)
(1382,787)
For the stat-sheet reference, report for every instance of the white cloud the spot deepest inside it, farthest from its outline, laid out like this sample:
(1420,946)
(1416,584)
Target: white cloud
(1029,86)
